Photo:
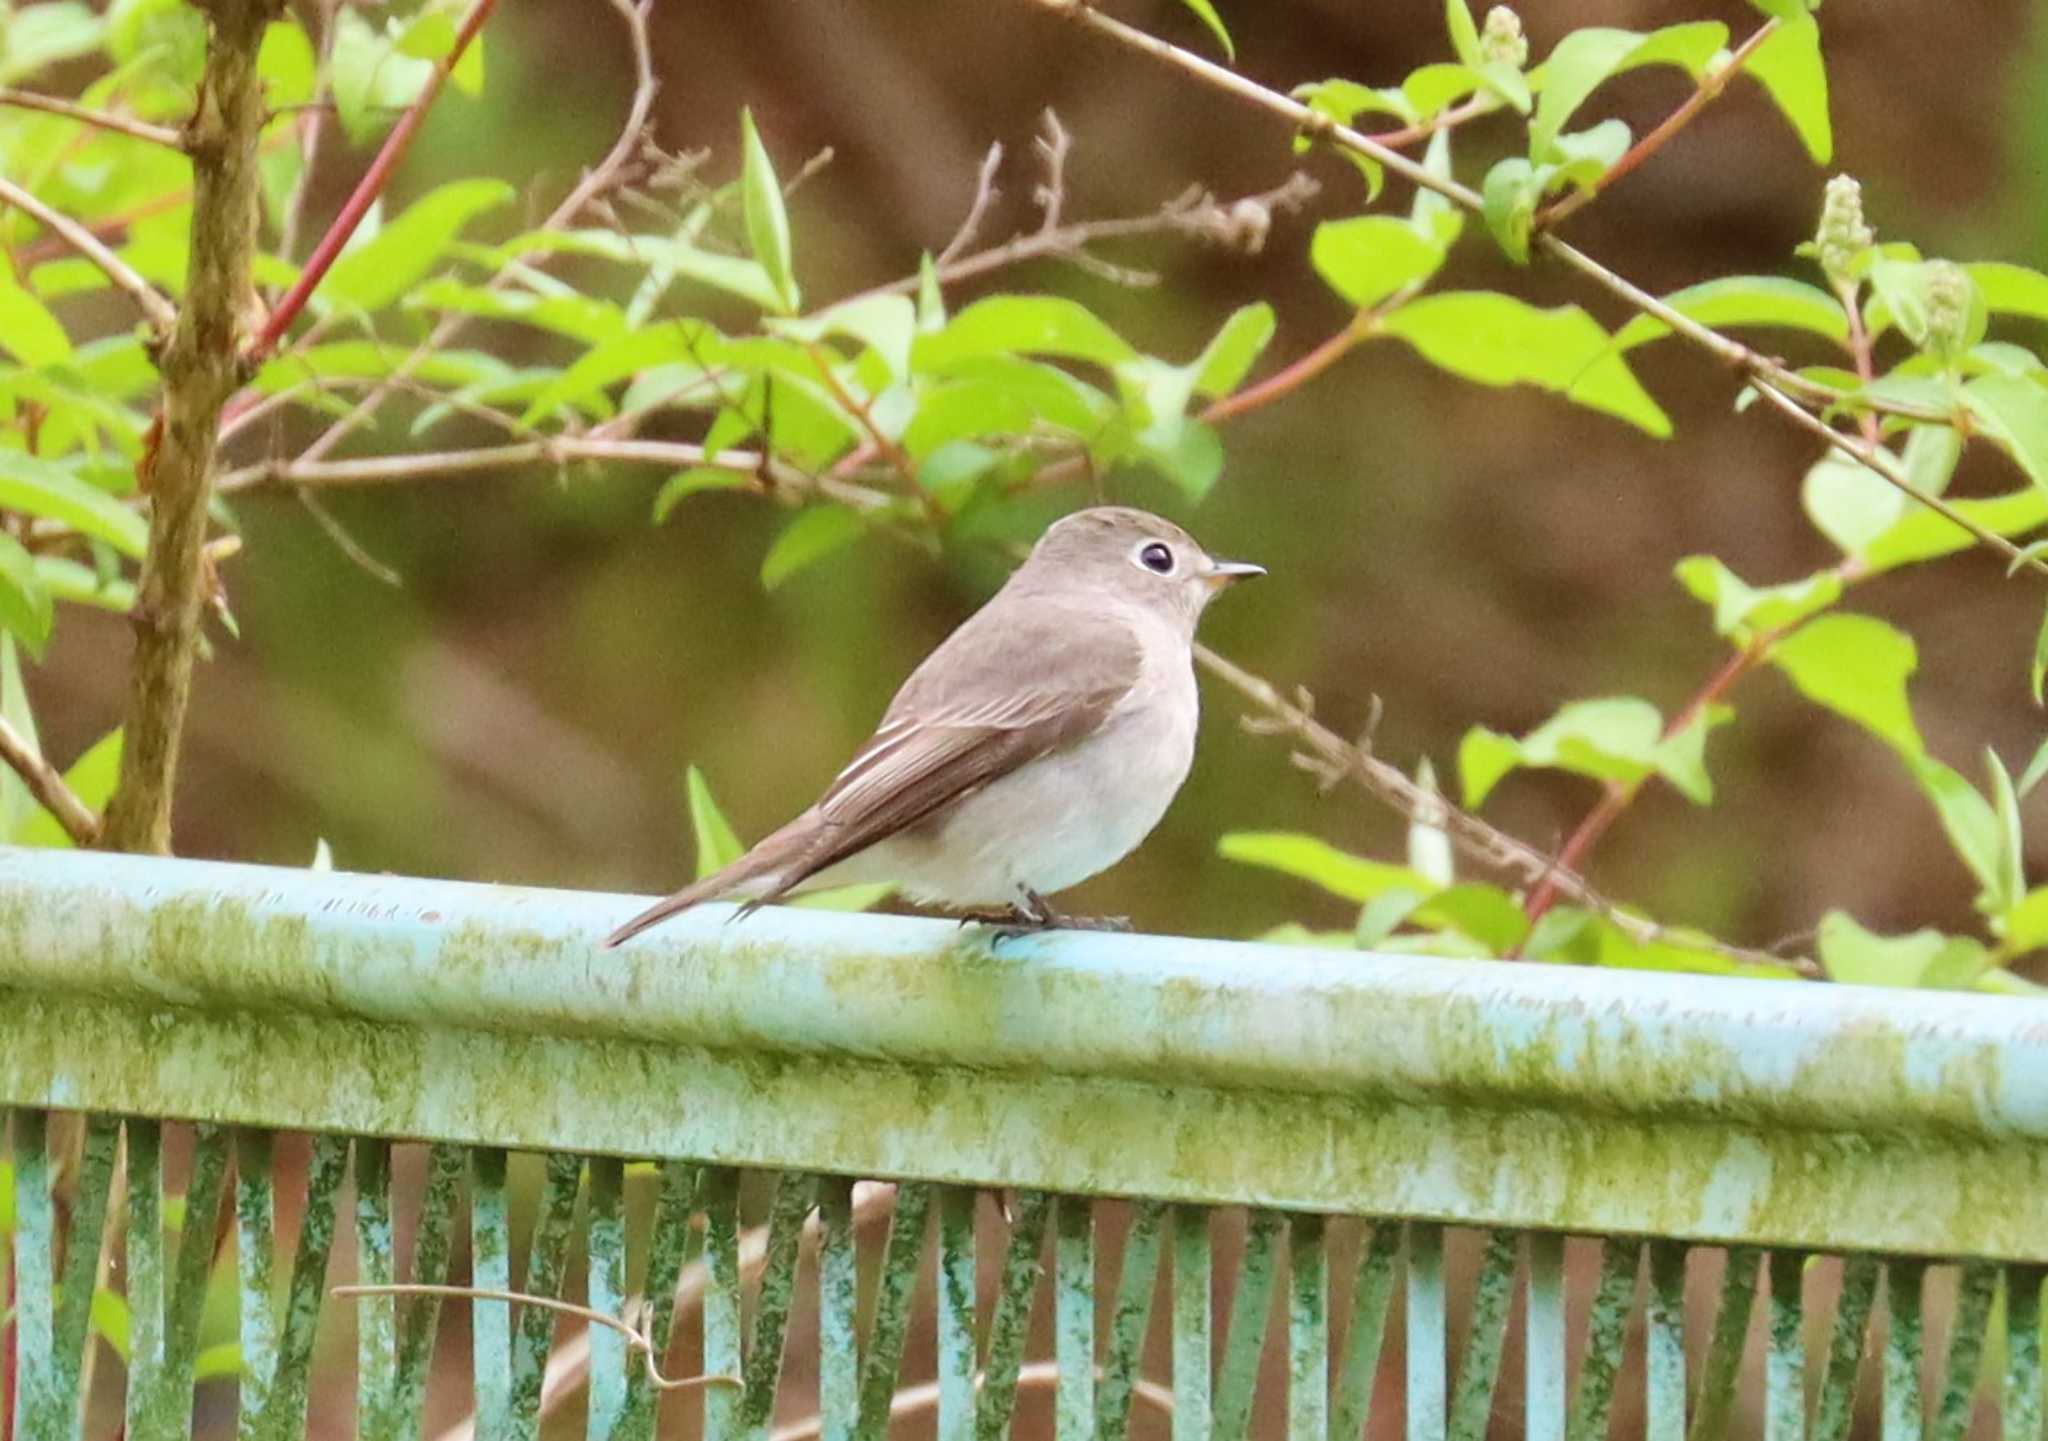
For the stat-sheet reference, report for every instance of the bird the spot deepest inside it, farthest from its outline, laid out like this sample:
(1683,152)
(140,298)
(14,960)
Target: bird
(1038,745)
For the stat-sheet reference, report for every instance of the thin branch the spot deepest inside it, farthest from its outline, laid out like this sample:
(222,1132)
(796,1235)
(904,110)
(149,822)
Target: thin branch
(367,189)
(636,1341)
(1710,86)
(1053,147)
(1332,758)
(985,193)
(1776,382)
(347,544)
(1483,103)
(201,368)
(85,114)
(917,1400)
(555,450)
(311,127)
(601,178)
(159,311)
(47,785)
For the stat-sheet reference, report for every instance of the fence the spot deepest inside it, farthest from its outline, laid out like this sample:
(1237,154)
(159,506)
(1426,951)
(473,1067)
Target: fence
(1667,1117)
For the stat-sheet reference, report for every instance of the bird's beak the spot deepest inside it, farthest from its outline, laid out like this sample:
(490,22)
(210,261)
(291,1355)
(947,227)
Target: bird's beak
(1228,572)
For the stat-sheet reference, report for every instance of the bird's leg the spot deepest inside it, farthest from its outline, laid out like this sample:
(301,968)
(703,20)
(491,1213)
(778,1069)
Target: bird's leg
(1041,916)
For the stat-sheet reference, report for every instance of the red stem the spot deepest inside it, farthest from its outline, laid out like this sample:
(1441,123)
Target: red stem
(1291,378)
(367,190)
(1709,87)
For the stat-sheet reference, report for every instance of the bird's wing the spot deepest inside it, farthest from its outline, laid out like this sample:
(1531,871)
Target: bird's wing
(986,702)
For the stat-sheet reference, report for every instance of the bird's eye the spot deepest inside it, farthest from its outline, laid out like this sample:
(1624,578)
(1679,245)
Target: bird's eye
(1157,559)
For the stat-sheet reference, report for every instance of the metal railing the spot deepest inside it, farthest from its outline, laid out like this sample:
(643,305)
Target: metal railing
(1712,1141)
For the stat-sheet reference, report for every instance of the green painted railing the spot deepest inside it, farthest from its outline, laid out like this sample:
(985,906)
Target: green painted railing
(1684,1208)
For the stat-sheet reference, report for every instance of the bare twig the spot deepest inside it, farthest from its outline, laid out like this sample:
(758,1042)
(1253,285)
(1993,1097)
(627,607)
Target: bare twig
(367,189)
(916,1400)
(311,128)
(985,194)
(347,544)
(159,311)
(602,177)
(47,785)
(1332,758)
(636,1341)
(201,368)
(85,114)
(1053,145)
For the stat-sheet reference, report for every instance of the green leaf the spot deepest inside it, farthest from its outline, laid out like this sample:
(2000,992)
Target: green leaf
(1509,198)
(2036,769)
(580,317)
(767,221)
(1924,535)
(1926,958)
(2037,670)
(26,609)
(1789,66)
(1741,607)
(952,471)
(16,803)
(1368,258)
(1616,738)
(2010,289)
(91,778)
(1737,300)
(1856,666)
(287,65)
(374,274)
(717,844)
(224,1358)
(35,486)
(814,534)
(1307,858)
(28,331)
(36,36)
(883,323)
(610,361)
(372,82)
(1464,34)
(2012,879)
(680,487)
(1486,913)
(1021,324)
(2026,924)
(1586,58)
(1206,13)
(109,1319)
(1499,340)
(2015,413)
(1230,354)
(1972,826)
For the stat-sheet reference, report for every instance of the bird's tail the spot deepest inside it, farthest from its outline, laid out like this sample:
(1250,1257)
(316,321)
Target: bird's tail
(759,876)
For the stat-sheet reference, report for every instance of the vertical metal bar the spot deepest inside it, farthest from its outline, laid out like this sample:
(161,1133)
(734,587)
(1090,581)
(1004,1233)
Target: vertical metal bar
(1308,1331)
(36,1412)
(1723,1364)
(547,1261)
(1426,1333)
(1009,1328)
(1472,1401)
(1544,1353)
(1191,1283)
(284,1413)
(721,1305)
(669,1244)
(255,1266)
(2023,1352)
(956,1313)
(1837,1403)
(187,1294)
(1974,1295)
(893,1292)
(145,1264)
(1605,1328)
(1127,1323)
(1371,1294)
(81,1266)
(1244,1337)
(1904,1411)
(421,1315)
(490,1245)
(607,1295)
(1664,1364)
(838,1308)
(1785,1362)
(793,1193)
(376,1316)
(1073,1304)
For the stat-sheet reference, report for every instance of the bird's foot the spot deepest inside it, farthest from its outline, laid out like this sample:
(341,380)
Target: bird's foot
(1032,913)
